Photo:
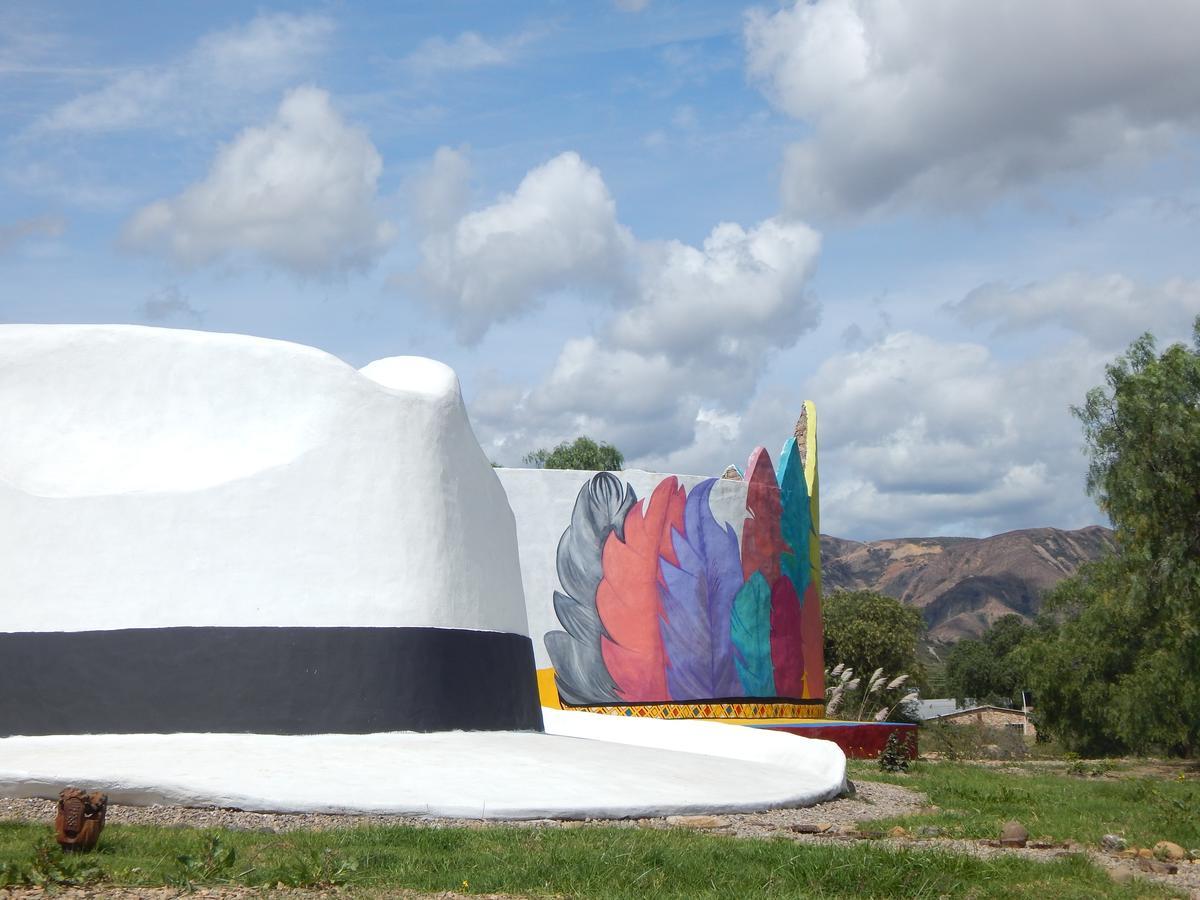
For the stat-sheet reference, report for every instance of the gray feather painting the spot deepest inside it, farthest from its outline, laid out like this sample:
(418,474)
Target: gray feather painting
(580,672)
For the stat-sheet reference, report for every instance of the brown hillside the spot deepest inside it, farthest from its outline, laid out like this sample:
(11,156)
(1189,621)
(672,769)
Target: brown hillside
(962,585)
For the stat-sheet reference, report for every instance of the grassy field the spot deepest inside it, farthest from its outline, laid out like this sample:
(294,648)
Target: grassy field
(581,862)
(977,800)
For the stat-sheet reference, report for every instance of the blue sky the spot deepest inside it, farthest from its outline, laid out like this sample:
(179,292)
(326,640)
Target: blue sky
(660,223)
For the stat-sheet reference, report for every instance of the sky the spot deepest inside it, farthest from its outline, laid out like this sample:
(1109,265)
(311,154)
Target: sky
(659,223)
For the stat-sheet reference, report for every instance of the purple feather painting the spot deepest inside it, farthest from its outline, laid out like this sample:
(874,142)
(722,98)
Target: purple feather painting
(696,604)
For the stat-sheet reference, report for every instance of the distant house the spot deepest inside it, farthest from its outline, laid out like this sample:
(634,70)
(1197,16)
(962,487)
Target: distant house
(970,713)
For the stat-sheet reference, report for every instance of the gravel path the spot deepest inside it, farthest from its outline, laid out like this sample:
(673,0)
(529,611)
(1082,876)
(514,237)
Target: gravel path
(836,819)
(873,801)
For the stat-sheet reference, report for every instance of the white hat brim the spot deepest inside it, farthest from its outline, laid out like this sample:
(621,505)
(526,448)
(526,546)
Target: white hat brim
(584,766)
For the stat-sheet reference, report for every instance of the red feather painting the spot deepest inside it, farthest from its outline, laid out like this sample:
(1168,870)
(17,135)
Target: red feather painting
(762,538)
(628,596)
(787,647)
(814,642)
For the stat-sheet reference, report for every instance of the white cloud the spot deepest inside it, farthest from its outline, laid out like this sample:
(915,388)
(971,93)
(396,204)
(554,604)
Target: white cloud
(24,229)
(557,230)
(690,328)
(924,436)
(631,5)
(470,50)
(272,48)
(170,304)
(298,192)
(1109,310)
(726,302)
(439,194)
(210,81)
(948,104)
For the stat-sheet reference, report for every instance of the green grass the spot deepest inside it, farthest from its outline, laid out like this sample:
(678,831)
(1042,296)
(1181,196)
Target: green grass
(977,800)
(582,862)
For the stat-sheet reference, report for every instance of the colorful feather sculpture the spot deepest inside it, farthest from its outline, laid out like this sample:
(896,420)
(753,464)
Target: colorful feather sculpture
(580,673)
(796,568)
(750,631)
(628,596)
(796,519)
(762,539)
(787,646)
(814,642)
(697,603)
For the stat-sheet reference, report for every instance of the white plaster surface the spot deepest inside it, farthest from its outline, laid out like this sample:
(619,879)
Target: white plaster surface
(542,501)
(156,477)
(586,765)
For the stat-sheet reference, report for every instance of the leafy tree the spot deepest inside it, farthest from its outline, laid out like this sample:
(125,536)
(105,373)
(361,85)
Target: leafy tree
(582,453)
(869,631)
(989,670)
(1115,664)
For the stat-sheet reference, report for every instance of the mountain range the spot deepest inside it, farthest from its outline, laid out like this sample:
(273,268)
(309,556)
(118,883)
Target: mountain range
(962,585)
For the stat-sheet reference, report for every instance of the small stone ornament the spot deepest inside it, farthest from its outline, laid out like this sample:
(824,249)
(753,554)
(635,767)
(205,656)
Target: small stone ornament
(80,819)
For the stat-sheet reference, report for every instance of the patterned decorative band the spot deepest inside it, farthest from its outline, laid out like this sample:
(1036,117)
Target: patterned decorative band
(733,709)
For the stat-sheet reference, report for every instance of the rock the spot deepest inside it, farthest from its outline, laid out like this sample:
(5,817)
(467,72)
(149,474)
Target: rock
(1013,834)
(701,822)
(897,832)
(928,831)
(1158,868)
(810,828)
(1169,850)
(1145,853)
(1113,843)
(1128,854)
(1121,875)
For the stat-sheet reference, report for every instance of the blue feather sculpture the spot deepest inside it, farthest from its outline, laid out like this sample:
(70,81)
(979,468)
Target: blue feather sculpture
(697,604)
(580,672)
(797,518)
(750,629)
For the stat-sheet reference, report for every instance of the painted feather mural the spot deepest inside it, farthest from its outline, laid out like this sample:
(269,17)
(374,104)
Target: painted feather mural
(697,594)
(800,534)
(662,600)
(628,596)
(787,648)
(762,538)
(750,631)
(600,510)
(795,520)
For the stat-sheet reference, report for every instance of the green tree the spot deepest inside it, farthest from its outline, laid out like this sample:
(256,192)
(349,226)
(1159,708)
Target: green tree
(1115,665)
(989,670)
(869,631)
(582,453)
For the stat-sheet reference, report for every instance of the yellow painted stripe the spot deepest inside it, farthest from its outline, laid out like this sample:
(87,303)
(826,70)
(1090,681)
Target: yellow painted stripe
(547,689)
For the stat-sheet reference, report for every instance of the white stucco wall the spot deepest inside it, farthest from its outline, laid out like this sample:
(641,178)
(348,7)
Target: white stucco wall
(542,501)
(159,477)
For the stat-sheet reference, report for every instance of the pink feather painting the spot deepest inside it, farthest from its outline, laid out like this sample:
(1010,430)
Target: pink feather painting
(628,596)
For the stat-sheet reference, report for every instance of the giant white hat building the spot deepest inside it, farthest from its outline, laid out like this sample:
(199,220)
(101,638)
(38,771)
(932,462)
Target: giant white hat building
(240,572)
